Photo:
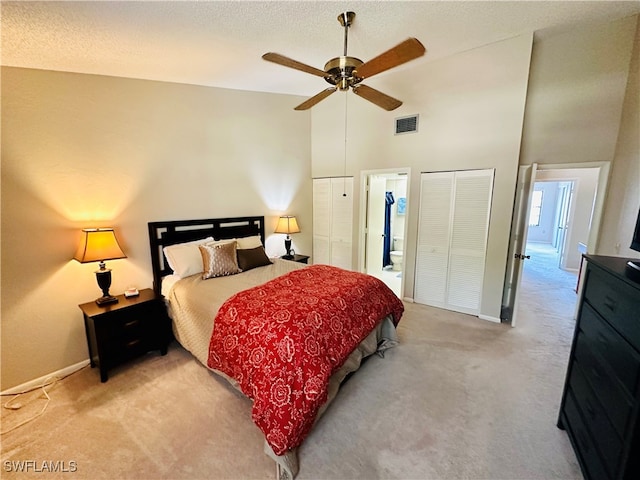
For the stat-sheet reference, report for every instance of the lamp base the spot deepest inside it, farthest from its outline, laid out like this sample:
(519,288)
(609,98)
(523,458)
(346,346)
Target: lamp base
(106,300)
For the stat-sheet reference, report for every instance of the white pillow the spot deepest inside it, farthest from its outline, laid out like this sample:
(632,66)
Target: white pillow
(185,258)
(249,242)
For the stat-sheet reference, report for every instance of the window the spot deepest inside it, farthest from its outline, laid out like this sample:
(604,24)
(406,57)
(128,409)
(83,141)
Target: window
(536,208)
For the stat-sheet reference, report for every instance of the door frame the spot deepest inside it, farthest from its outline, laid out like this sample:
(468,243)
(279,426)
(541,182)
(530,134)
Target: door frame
(596,222)
(362,217)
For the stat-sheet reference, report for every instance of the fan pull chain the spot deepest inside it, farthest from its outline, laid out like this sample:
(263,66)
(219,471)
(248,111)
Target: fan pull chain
(344,176)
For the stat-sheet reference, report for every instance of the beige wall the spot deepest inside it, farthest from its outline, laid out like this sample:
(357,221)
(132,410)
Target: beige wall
(471,110)
(85,150)
(583,108)
(471,107)
(80,150)
(623,197)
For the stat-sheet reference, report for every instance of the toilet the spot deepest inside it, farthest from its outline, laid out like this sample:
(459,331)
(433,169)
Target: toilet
(396,253)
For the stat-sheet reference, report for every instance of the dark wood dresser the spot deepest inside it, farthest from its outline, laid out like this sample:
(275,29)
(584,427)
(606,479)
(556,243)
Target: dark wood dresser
(601,398)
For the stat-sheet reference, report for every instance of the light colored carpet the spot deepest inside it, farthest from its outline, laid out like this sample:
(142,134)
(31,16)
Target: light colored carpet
(459,398)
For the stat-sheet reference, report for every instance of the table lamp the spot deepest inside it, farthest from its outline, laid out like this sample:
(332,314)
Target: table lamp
(287,224)
(99,245)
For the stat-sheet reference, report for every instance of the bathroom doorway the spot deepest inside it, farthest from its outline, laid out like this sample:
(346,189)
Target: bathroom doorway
(385,211)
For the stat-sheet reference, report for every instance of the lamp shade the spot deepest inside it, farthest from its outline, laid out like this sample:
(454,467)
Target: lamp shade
(287,224)
(97,245)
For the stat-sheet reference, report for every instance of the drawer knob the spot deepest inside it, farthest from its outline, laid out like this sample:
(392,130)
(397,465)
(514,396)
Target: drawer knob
(131,323)
(610,303)
(133,343)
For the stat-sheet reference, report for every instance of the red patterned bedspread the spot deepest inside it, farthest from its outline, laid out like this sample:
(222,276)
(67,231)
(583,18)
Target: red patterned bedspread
(281,342)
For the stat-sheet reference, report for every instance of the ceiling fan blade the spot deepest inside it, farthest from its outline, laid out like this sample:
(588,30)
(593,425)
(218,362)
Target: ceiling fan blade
(288,62)
(408,50)
(307,104)
(375,96)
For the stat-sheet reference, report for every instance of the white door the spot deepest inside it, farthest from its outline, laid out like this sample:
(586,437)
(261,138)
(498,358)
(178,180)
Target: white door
(333,221)
(321,220)
(563,222)
(434,232)
(375,223)
(452,239)
(341,222)
(518,242)
(470,227)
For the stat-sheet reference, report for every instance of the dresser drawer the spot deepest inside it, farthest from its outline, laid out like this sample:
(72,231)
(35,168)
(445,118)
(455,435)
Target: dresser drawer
(603,382)
(617,352)
(583,441)
(604,436)
(614,300)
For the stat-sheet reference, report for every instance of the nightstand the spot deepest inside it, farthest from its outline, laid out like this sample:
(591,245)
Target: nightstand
(297,258)
(121,331)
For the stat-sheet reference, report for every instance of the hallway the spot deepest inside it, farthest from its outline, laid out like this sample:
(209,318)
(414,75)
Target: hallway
(547,293)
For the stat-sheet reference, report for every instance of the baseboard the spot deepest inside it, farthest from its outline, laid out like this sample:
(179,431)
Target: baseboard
(408,299)
(38,382)
(490,319)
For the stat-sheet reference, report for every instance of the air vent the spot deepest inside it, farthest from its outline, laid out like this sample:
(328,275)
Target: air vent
(407,124)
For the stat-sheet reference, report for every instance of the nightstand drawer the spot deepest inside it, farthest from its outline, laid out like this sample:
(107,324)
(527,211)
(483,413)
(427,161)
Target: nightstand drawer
(602,381)
(604,340)
(127,324)
(125,349)
(615,300)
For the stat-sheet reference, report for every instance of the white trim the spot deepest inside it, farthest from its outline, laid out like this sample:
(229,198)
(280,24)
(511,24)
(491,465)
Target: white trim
(408,299)
(491,319)
(38,382)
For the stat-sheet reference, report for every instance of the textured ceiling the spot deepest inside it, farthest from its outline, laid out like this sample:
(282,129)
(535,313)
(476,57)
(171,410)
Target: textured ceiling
(221,43)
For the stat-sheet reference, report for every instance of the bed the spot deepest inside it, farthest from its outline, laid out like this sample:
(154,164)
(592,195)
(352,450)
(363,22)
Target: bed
(283,333)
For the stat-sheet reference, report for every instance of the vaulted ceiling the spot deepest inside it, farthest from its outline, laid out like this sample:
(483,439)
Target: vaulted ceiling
(221,43)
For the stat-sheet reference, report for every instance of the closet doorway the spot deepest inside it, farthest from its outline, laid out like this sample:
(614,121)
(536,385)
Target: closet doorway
(384,210)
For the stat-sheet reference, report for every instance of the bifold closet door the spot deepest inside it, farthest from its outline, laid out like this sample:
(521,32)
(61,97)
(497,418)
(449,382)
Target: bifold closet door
(333,221)
(452,239)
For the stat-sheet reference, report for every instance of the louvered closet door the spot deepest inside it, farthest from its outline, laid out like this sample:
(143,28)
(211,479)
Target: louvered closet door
(321,220)
(452,239)
(333,221)
(341,222)
(434,232)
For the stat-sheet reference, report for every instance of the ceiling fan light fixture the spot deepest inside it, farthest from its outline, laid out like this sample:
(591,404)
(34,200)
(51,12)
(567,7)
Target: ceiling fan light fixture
(346,72)
(340,71)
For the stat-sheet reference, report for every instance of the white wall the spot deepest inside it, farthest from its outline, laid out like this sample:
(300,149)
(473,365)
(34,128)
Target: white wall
(583,107)
(85,150)
(543,232)
(471,110)
(623,198)
(585,185)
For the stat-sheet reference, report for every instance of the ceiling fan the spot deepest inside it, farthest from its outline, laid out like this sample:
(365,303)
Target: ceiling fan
(346,72)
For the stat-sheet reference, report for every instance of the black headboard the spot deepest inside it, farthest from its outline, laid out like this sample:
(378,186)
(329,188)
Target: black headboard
(162,234)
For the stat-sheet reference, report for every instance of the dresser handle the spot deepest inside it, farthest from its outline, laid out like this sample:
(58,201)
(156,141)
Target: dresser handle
(610,303)
(132,343)
(131,323)
(603,340)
